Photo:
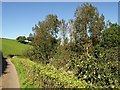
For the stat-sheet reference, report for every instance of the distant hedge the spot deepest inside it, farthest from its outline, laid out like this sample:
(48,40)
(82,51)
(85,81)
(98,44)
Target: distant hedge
(38,76)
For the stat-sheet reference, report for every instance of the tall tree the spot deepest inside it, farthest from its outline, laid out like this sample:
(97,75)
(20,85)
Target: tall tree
(88,23)
(52,23)
(63,31)
(45,38)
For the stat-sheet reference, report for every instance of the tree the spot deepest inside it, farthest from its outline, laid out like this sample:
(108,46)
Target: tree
(88,23)
(90,52)
(30,38)
(45,41)
(110,37)
(63,31)
(62,55)
(21,39)
(52,23)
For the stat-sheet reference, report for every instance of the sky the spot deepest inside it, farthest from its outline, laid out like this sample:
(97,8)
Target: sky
(18,18)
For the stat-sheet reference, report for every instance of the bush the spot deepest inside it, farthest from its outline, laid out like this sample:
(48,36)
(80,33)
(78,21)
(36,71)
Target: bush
(21,39)
(101,71)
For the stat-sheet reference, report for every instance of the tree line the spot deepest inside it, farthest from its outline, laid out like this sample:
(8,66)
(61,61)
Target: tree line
(85,46)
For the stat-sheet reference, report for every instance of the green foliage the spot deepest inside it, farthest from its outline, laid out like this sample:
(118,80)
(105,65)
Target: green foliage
(30,38)
(85,47)
(39,76)
(21,39)
(0,44)
(61,58)
(88,20)
(52,24)
(98,72)
(111,36)
(100,67)
(22,76)
(12,47)
(44,42)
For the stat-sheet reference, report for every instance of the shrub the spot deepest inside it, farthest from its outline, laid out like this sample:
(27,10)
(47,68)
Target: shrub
(21,39)
(45,76)
(101,72)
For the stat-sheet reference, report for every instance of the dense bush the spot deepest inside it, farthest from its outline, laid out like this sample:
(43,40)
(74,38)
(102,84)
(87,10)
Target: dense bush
(36,75)
(110,36)
(99,72)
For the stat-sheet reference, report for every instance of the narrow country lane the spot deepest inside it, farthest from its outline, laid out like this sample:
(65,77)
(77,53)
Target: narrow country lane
(10,77)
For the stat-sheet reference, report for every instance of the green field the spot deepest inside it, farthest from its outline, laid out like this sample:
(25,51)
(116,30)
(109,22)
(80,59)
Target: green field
(12,47)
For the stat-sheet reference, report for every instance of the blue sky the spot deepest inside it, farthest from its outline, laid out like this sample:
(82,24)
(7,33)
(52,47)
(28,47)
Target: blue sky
(18,18)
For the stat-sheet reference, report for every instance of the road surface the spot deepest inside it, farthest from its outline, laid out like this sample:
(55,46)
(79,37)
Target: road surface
(9,77)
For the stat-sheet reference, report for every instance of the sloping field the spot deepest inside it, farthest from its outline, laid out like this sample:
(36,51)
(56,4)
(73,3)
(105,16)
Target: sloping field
(12,47)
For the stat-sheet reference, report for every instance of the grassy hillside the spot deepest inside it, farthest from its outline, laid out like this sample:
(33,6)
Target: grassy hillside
(0,44)
(9,46)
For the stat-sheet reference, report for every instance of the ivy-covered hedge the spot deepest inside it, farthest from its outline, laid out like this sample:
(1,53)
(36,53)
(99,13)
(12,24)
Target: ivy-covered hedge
(102,72)
(35,75)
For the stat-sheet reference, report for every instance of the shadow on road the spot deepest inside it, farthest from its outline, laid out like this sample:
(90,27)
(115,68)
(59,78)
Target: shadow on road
(3,65)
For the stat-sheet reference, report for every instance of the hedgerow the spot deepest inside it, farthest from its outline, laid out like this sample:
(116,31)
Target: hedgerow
(39,76)
(102,72)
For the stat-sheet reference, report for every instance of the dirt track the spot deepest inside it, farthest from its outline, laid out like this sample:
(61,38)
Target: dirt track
(10,77)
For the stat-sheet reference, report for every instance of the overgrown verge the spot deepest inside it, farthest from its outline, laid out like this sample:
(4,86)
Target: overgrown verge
(33,75)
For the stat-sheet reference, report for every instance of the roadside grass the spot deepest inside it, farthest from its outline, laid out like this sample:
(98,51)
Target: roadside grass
(34,75)
(12,47)
(22,76)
